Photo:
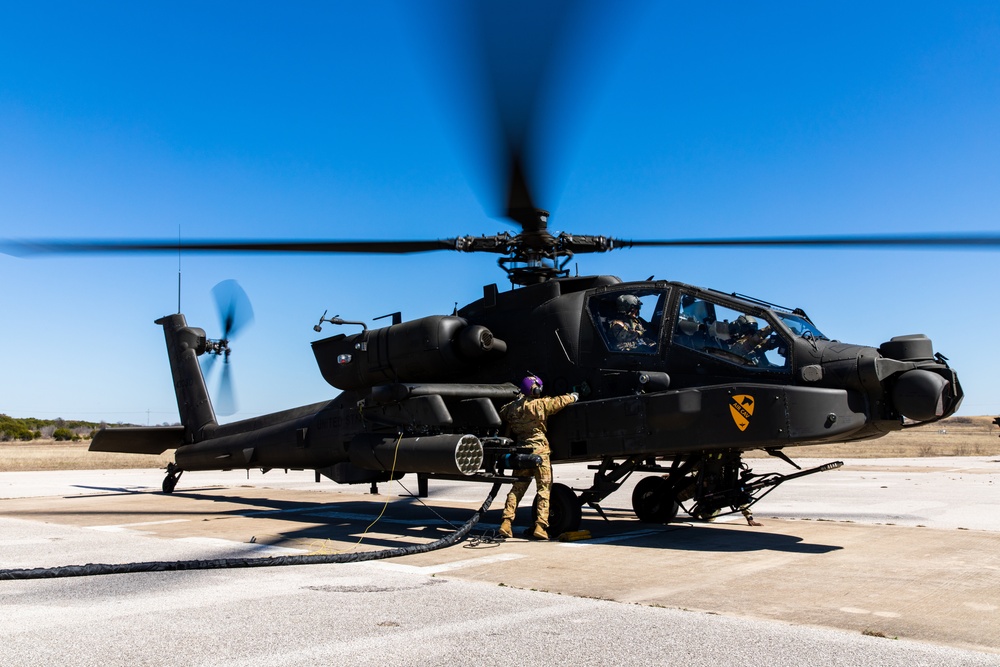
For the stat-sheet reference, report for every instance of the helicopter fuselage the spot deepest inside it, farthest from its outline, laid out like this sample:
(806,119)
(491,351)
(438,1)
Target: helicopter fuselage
(689,386)
(664,370)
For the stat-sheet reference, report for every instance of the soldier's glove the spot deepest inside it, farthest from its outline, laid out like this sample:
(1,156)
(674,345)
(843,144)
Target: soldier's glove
(576,396)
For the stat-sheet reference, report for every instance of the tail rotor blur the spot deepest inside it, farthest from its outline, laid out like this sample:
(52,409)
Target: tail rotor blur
(235,313)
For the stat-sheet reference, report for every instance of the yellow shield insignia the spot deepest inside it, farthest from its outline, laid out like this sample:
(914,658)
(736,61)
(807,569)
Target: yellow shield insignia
(742,409)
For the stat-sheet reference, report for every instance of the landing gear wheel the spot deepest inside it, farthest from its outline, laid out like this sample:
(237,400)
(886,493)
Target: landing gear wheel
(653,502)
(564,510)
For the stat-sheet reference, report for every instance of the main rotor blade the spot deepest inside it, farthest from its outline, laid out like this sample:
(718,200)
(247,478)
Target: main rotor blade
(235,311)
(499,244)
(30,247)
(514,47)
(520,205)
(971,240)
(519,77)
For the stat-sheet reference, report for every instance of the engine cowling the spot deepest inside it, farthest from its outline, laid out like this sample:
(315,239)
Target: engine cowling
(423,350)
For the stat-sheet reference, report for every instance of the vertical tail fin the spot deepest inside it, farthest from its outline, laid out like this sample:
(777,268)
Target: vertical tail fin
(184,345)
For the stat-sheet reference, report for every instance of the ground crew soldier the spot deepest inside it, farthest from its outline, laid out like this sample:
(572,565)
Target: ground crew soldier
(527,418)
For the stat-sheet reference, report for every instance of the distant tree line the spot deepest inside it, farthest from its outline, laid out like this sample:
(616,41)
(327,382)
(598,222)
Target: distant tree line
(30,428)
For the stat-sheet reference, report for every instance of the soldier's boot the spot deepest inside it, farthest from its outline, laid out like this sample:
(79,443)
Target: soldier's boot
(748,515)
(539,532)
(505,529)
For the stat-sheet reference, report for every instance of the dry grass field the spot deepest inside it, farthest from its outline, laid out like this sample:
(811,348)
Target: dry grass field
(958,436)
(52,455)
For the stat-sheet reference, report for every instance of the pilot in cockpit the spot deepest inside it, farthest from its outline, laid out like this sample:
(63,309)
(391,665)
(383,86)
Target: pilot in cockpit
(628,330)
(751,342)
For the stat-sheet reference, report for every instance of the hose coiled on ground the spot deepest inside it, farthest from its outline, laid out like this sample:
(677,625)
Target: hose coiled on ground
(93,569)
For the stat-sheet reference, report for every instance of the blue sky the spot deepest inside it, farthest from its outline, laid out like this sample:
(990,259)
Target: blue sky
(344,120)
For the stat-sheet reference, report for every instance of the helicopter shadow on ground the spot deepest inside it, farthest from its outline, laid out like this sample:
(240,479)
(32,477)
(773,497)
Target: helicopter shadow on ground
(118,490)
(702,536)
(388,521)
(383,521)
(244,517)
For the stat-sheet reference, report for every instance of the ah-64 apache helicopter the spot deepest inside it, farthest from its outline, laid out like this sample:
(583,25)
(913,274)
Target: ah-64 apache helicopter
(714,375)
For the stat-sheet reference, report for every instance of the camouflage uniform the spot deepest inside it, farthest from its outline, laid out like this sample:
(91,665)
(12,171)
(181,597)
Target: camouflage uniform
(751,342)
(527,418)
(629,333)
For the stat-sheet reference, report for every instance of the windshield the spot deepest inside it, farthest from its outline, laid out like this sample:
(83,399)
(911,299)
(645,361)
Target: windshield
(629,321)
(729,334)
(801,327)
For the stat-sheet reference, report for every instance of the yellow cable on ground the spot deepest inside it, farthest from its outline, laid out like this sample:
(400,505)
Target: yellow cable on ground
(380,514)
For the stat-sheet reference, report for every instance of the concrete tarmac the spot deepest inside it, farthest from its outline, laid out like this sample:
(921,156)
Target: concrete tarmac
(881,562)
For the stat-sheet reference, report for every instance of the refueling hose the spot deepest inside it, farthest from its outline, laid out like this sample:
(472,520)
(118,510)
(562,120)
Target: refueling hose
(92,569)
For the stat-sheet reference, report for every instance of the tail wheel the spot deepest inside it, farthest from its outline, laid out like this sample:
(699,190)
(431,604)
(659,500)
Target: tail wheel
(170,481)
(564,510)
(653,501)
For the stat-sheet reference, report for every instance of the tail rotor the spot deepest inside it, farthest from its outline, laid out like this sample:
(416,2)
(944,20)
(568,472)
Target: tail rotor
(235,313)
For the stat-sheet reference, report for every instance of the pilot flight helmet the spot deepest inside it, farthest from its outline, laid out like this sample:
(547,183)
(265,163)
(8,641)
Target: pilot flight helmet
(531,386)
(628,302)
(746,324)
